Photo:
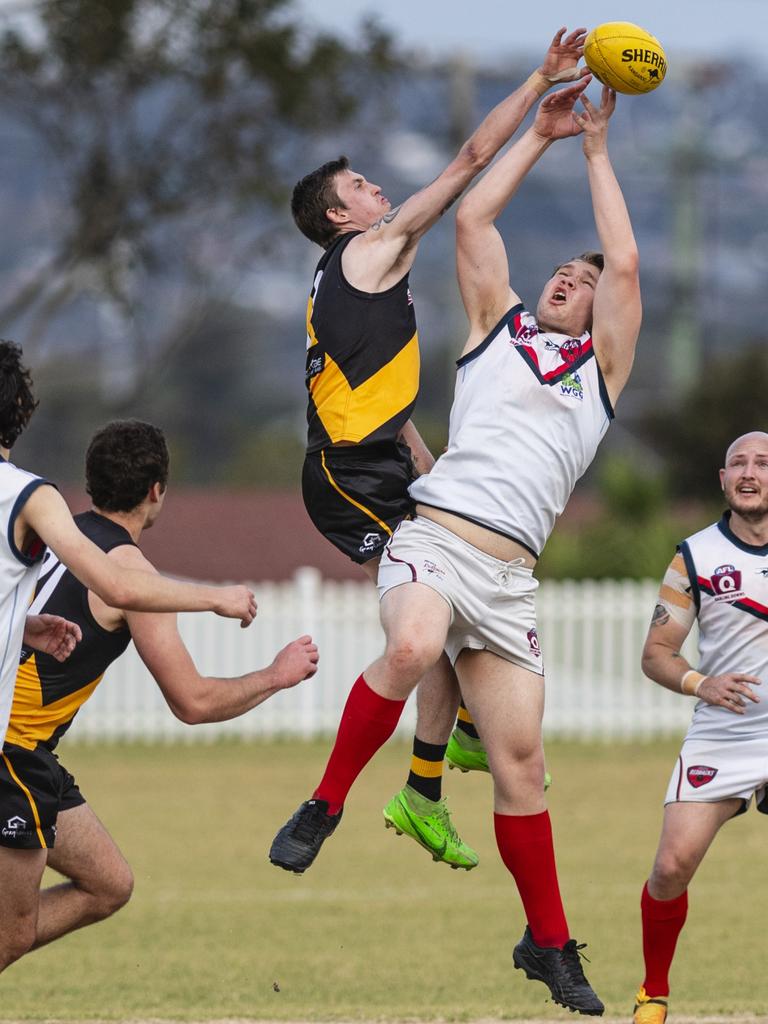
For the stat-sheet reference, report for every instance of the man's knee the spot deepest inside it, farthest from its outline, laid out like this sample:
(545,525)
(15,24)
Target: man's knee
(409,657)
(119,890)
(519,757)
(111,892)
(672,870)
(517,768)
(17,937)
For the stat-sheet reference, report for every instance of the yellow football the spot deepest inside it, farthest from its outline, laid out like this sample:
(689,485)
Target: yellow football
(625,57)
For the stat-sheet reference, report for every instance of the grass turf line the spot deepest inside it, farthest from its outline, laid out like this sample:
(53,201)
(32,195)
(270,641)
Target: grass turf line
(376,931)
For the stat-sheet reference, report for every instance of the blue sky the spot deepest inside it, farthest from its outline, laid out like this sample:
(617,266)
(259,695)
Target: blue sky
(490,29)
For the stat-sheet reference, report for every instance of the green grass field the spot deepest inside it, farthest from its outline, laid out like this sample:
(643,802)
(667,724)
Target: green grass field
(376,931)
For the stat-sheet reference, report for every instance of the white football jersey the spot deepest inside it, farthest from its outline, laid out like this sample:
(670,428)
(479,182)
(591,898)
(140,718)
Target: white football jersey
(729,583)
(528,414)
(18,573)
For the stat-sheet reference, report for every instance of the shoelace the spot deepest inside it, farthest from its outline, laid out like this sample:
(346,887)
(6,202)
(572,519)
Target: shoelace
(310,820)
(445,820)
(571,960)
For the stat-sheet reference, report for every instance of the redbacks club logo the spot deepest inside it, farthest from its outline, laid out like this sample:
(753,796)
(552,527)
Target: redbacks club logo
(533,643)
(570,350)
(699,775)
(726,583)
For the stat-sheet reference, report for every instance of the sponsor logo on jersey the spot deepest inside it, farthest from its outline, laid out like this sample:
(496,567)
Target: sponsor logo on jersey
(315,365)
(370,542)
(762,572)
(434,569)
(571,385)
(526,333)
(726,583)
(533,643)
(699,775)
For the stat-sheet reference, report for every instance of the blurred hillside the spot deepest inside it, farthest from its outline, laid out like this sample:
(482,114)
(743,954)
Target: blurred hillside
(151,268)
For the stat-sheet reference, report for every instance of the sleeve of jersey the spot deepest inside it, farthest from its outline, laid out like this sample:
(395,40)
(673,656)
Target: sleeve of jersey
(675,594)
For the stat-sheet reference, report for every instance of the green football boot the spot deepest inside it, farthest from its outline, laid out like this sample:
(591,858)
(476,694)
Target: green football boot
(468,755)
(429,823)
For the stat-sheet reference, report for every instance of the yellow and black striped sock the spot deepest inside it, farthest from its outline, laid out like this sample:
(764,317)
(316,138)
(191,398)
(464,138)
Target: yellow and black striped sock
(426,774)
(465,723)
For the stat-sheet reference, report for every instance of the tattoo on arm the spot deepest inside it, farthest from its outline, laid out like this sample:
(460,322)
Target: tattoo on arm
(450,203)
(386,219)
(660,616)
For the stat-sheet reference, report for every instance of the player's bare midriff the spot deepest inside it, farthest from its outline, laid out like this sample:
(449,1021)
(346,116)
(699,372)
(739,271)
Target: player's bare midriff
(485,540)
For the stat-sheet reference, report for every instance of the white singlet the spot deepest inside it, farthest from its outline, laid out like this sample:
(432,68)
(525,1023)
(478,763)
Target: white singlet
(18,573)
(528,414)
(729,583)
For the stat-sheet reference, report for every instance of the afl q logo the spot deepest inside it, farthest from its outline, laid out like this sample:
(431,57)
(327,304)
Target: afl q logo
(726,580)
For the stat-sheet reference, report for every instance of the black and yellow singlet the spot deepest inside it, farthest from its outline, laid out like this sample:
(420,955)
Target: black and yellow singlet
(49,693)
(362,357)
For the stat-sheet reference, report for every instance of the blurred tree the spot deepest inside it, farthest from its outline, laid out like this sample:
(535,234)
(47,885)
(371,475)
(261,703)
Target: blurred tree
(631,532)
(728,399)
(630,491)
(174,127)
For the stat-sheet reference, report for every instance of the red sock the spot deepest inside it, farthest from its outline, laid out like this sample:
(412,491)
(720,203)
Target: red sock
(525,845)
(663,921)
(366,724)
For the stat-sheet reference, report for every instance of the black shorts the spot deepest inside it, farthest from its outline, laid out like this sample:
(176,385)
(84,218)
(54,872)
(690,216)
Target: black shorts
(34,788)
(356,496)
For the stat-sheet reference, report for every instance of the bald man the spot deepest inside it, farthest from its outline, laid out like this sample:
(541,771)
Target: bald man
(720,577)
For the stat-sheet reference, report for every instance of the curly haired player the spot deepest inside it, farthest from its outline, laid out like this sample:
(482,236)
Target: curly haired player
(32,515)
(46,821)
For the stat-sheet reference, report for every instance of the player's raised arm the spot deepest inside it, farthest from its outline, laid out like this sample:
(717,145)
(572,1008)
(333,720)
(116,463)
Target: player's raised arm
(396,234)
(422,458)
(482,265)
(46,513)
(617,309)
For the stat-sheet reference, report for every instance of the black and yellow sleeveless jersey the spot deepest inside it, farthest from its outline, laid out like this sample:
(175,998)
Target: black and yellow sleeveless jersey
(362,357)
(49,693)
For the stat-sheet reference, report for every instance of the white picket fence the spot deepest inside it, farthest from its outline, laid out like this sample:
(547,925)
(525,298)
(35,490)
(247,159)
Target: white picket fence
(591,636)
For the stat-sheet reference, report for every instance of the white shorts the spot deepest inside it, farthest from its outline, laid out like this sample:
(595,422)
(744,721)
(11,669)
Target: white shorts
(491,602)
(712,770)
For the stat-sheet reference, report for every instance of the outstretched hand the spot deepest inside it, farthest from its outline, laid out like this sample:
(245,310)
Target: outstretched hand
(52,635)
(593,121)
(563,55)
(236,602)
(556,118)
(297,661)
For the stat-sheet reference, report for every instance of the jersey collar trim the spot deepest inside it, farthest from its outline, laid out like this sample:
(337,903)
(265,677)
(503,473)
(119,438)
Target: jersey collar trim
(479,349)
(724,526)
